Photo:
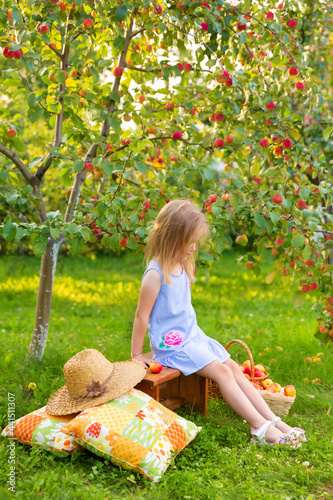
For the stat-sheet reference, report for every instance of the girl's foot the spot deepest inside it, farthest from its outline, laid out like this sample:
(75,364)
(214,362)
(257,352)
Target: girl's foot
(268,434)
(295,431)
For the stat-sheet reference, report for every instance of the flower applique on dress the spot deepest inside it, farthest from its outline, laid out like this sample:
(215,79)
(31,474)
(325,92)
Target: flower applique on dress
(170,339)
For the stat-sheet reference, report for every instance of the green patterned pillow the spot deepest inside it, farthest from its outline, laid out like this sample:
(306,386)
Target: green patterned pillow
(42,429)
(133,431)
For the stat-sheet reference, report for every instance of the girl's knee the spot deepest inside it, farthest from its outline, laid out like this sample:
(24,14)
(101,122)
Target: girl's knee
(234,367)
(223,371)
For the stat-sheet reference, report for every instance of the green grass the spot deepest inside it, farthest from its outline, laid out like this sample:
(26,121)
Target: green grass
(94,303)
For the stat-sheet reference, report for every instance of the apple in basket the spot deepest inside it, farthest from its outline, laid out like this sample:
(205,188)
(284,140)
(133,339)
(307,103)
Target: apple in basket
(155,367)
(276,387)
(247,363)
(247,371)
(256,385)
(270,389)
(266,383)
(289,390)
(261,368)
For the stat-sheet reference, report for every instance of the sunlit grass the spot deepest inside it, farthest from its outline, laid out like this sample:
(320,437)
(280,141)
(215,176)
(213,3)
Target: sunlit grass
(94,303)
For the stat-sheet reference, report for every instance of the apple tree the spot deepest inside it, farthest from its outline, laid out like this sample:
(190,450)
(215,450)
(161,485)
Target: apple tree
(109,109)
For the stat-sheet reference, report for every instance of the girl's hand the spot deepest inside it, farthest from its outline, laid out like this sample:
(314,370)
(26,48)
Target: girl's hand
(143,358)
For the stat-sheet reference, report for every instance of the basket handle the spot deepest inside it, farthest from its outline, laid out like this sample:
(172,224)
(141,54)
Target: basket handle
(247,349)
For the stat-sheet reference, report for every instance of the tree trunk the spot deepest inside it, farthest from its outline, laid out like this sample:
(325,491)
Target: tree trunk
(44,300)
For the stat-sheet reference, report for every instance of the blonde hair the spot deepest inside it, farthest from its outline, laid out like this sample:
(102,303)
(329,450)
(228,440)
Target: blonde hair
(171,233)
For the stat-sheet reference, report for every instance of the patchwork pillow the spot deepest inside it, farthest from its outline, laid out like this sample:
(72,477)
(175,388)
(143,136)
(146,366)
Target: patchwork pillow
(133,431)
(42,429)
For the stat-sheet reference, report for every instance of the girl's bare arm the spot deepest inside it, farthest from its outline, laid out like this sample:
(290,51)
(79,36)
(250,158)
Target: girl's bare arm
(150,288)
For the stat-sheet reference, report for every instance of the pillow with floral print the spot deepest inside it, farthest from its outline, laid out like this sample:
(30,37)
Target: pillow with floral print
(133,431)
(42,429)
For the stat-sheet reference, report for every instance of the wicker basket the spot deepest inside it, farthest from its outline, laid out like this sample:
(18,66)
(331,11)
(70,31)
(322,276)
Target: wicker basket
(278,403)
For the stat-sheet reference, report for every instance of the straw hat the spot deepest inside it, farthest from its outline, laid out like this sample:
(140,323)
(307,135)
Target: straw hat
(92,380)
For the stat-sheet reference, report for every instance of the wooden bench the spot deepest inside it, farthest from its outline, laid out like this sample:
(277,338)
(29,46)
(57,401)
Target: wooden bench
(173,390)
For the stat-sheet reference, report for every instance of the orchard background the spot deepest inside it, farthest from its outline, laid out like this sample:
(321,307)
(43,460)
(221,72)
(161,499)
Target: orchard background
(110,109)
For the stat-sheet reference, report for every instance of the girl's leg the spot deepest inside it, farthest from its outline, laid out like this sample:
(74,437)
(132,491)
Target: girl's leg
(236,398)
(253,395)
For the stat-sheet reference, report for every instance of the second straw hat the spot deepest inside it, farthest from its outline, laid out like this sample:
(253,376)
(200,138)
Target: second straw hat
(92,380)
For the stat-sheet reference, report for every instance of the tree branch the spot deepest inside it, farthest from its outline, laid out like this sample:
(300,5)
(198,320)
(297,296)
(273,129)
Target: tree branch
(20,165)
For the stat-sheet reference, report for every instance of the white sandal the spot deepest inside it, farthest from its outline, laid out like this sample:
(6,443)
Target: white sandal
(258,436)
(295,431)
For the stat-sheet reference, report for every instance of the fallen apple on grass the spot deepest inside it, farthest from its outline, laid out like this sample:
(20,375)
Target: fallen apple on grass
(155,367)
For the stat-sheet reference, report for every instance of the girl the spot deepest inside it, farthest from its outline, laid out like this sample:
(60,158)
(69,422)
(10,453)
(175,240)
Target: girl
(176,339)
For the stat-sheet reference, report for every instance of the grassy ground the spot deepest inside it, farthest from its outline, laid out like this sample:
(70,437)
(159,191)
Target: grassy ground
(93,307)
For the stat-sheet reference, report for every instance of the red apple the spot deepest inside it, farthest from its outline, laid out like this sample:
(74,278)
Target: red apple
(277,198)
(117,71)
(12,132)
(218,143)
(293,71)
(264,143)
(177,135)
(270,105)
(89,167)
(155,367)
(87,23)
(292,23)
(42,28)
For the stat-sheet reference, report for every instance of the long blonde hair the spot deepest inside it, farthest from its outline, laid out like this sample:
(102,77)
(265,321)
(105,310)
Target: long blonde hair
(171,233)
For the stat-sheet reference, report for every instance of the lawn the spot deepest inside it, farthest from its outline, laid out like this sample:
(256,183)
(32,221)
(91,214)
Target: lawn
(94,303)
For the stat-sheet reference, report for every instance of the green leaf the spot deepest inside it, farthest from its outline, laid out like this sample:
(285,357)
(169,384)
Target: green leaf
(16,14)
(115,124)
(72,228)
(85,233)
(165,73)
(121,13)
(107,168)
(260,220)
(299,299)
(114,97)
(234,201)
(119,42)
(327,132)
(142,167)
(275,217)
(270,277)
(297,241)
(39,248)
(9,82)
(78,165)
(55,232)
(207,140)
(188,105)
(304,193)
(76,244)
(206,256)
(255,168)
(207,174)
(31,99)
(9,231)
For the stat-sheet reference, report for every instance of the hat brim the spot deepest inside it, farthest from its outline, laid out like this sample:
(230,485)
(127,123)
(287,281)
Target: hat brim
(125,376)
